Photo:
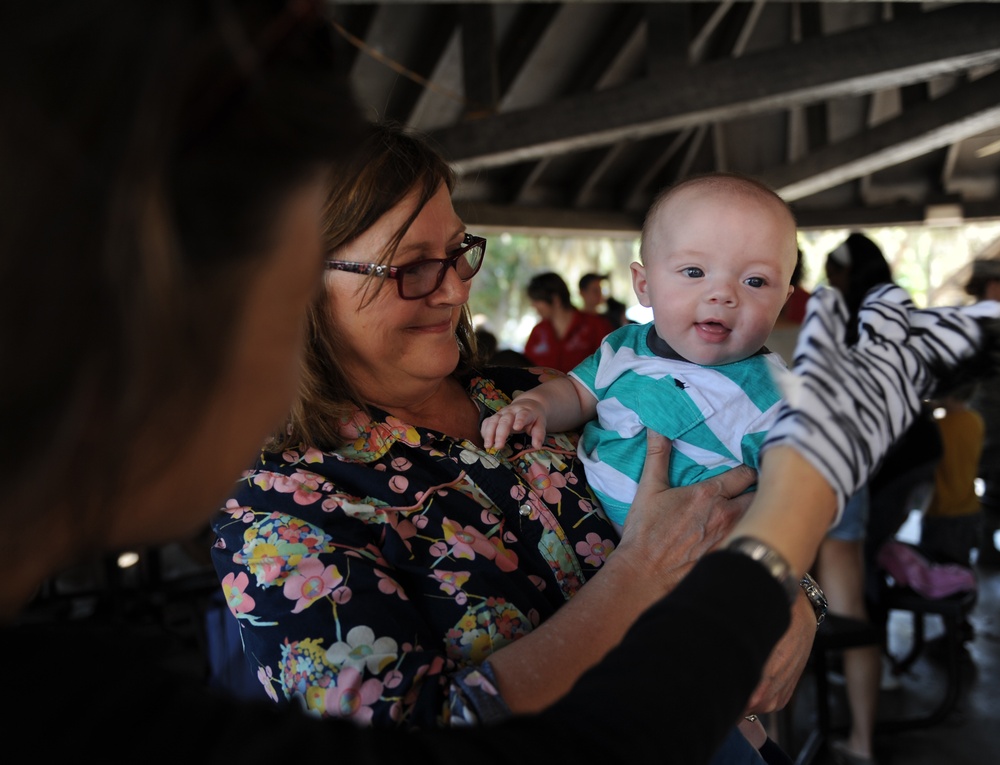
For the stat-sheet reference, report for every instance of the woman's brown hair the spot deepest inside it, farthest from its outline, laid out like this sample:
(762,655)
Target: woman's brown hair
(390,164)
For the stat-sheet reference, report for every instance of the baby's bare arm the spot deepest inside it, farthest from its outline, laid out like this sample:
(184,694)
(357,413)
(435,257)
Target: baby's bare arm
(557,405)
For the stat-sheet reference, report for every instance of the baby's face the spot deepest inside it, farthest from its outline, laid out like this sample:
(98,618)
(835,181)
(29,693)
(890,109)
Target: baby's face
(717,272)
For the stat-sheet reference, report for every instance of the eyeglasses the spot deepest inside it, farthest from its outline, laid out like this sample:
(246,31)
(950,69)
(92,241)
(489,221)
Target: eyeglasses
(420,278)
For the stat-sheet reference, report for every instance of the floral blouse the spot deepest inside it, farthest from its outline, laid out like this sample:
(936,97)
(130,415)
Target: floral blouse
(373,581)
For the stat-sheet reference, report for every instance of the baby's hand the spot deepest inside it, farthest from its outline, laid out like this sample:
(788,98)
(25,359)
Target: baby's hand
(522,415)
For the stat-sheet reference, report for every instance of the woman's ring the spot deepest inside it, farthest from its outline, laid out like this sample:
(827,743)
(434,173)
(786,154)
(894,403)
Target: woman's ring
(751,718)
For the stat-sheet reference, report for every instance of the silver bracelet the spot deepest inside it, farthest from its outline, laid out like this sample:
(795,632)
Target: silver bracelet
(816,597)
(776,565)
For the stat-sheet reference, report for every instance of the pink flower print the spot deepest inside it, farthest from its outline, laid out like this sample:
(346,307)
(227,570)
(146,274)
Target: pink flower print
(398,483)
(404,528)
(353,426)
(342,595)
(547,484)
(466,542)
(595,549)
(518,492)
(264,677)
(351,698)
(586,506)
(311,582)
(405,433)
(389,586)
(489,518)
(302,485)
(505,559)
(401,464)
(312,455)
(438,549)
(264,480)
(451,583)
(538,582)
(239,512)
(392,678)
(234,588)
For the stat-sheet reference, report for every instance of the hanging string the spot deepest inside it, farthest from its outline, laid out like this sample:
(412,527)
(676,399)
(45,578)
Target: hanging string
(472,107)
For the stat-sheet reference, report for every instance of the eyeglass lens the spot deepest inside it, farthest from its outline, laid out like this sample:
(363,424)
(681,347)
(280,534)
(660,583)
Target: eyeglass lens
(421,279)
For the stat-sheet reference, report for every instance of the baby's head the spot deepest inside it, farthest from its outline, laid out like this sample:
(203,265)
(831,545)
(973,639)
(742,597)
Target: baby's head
(718,252)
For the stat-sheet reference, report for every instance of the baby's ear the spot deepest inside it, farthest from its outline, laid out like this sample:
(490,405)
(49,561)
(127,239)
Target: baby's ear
(639,284)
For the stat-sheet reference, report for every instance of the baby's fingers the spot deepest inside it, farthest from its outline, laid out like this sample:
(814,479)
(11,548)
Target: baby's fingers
(489,432)
(537,432)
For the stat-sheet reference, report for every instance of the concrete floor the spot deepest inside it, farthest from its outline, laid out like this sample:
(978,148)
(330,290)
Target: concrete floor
(968,735)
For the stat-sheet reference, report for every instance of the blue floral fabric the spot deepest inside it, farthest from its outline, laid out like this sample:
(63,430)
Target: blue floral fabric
(372,582)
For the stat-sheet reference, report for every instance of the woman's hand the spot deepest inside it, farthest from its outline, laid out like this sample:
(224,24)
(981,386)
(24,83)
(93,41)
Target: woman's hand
(787,661)
(687,522)
(668,529)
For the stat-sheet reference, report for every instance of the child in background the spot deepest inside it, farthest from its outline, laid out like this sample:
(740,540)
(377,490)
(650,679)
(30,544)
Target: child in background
(952,524)
(718,252)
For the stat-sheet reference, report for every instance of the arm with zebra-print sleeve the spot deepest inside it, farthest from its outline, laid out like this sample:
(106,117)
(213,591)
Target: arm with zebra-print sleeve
(846,405)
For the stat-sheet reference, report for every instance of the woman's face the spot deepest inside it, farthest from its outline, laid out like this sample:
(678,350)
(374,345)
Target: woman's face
(543,309)
(393,346)
(169,498)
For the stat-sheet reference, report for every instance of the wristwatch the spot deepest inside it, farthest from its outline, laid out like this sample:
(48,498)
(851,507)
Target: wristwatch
(770,559)
(816,597)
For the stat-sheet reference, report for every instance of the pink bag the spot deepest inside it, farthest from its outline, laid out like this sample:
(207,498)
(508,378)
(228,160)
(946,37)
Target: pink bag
(932,580)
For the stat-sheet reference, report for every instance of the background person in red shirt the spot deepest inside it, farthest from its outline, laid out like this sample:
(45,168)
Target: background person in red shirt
(565,336)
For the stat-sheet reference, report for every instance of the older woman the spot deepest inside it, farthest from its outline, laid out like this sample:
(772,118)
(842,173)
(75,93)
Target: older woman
(382,565)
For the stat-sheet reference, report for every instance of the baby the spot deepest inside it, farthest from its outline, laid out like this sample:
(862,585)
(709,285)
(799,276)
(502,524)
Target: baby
(718,252)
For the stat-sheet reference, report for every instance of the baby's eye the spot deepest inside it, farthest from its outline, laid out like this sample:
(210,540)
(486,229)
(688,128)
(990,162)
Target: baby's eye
(693,271)
(755,281)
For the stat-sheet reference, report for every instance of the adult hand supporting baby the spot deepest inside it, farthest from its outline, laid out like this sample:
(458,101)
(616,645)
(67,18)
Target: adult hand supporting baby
(719,502)
(666,533)
(690,520)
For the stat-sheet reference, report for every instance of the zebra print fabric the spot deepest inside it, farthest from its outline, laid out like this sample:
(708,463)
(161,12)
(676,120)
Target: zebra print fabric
(846,405)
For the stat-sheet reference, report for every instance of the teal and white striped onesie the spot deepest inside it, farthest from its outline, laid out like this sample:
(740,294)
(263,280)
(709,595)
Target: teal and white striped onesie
(716,417)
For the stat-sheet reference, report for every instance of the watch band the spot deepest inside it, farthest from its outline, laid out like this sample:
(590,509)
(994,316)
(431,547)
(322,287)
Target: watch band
(815,595)
(776,565)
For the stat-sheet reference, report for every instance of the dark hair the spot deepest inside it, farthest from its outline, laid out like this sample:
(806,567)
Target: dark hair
(389,164)
(616,313)
(983,272)
(146,147)
(486,345)
(868,268)
(587,279)
(548,287)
